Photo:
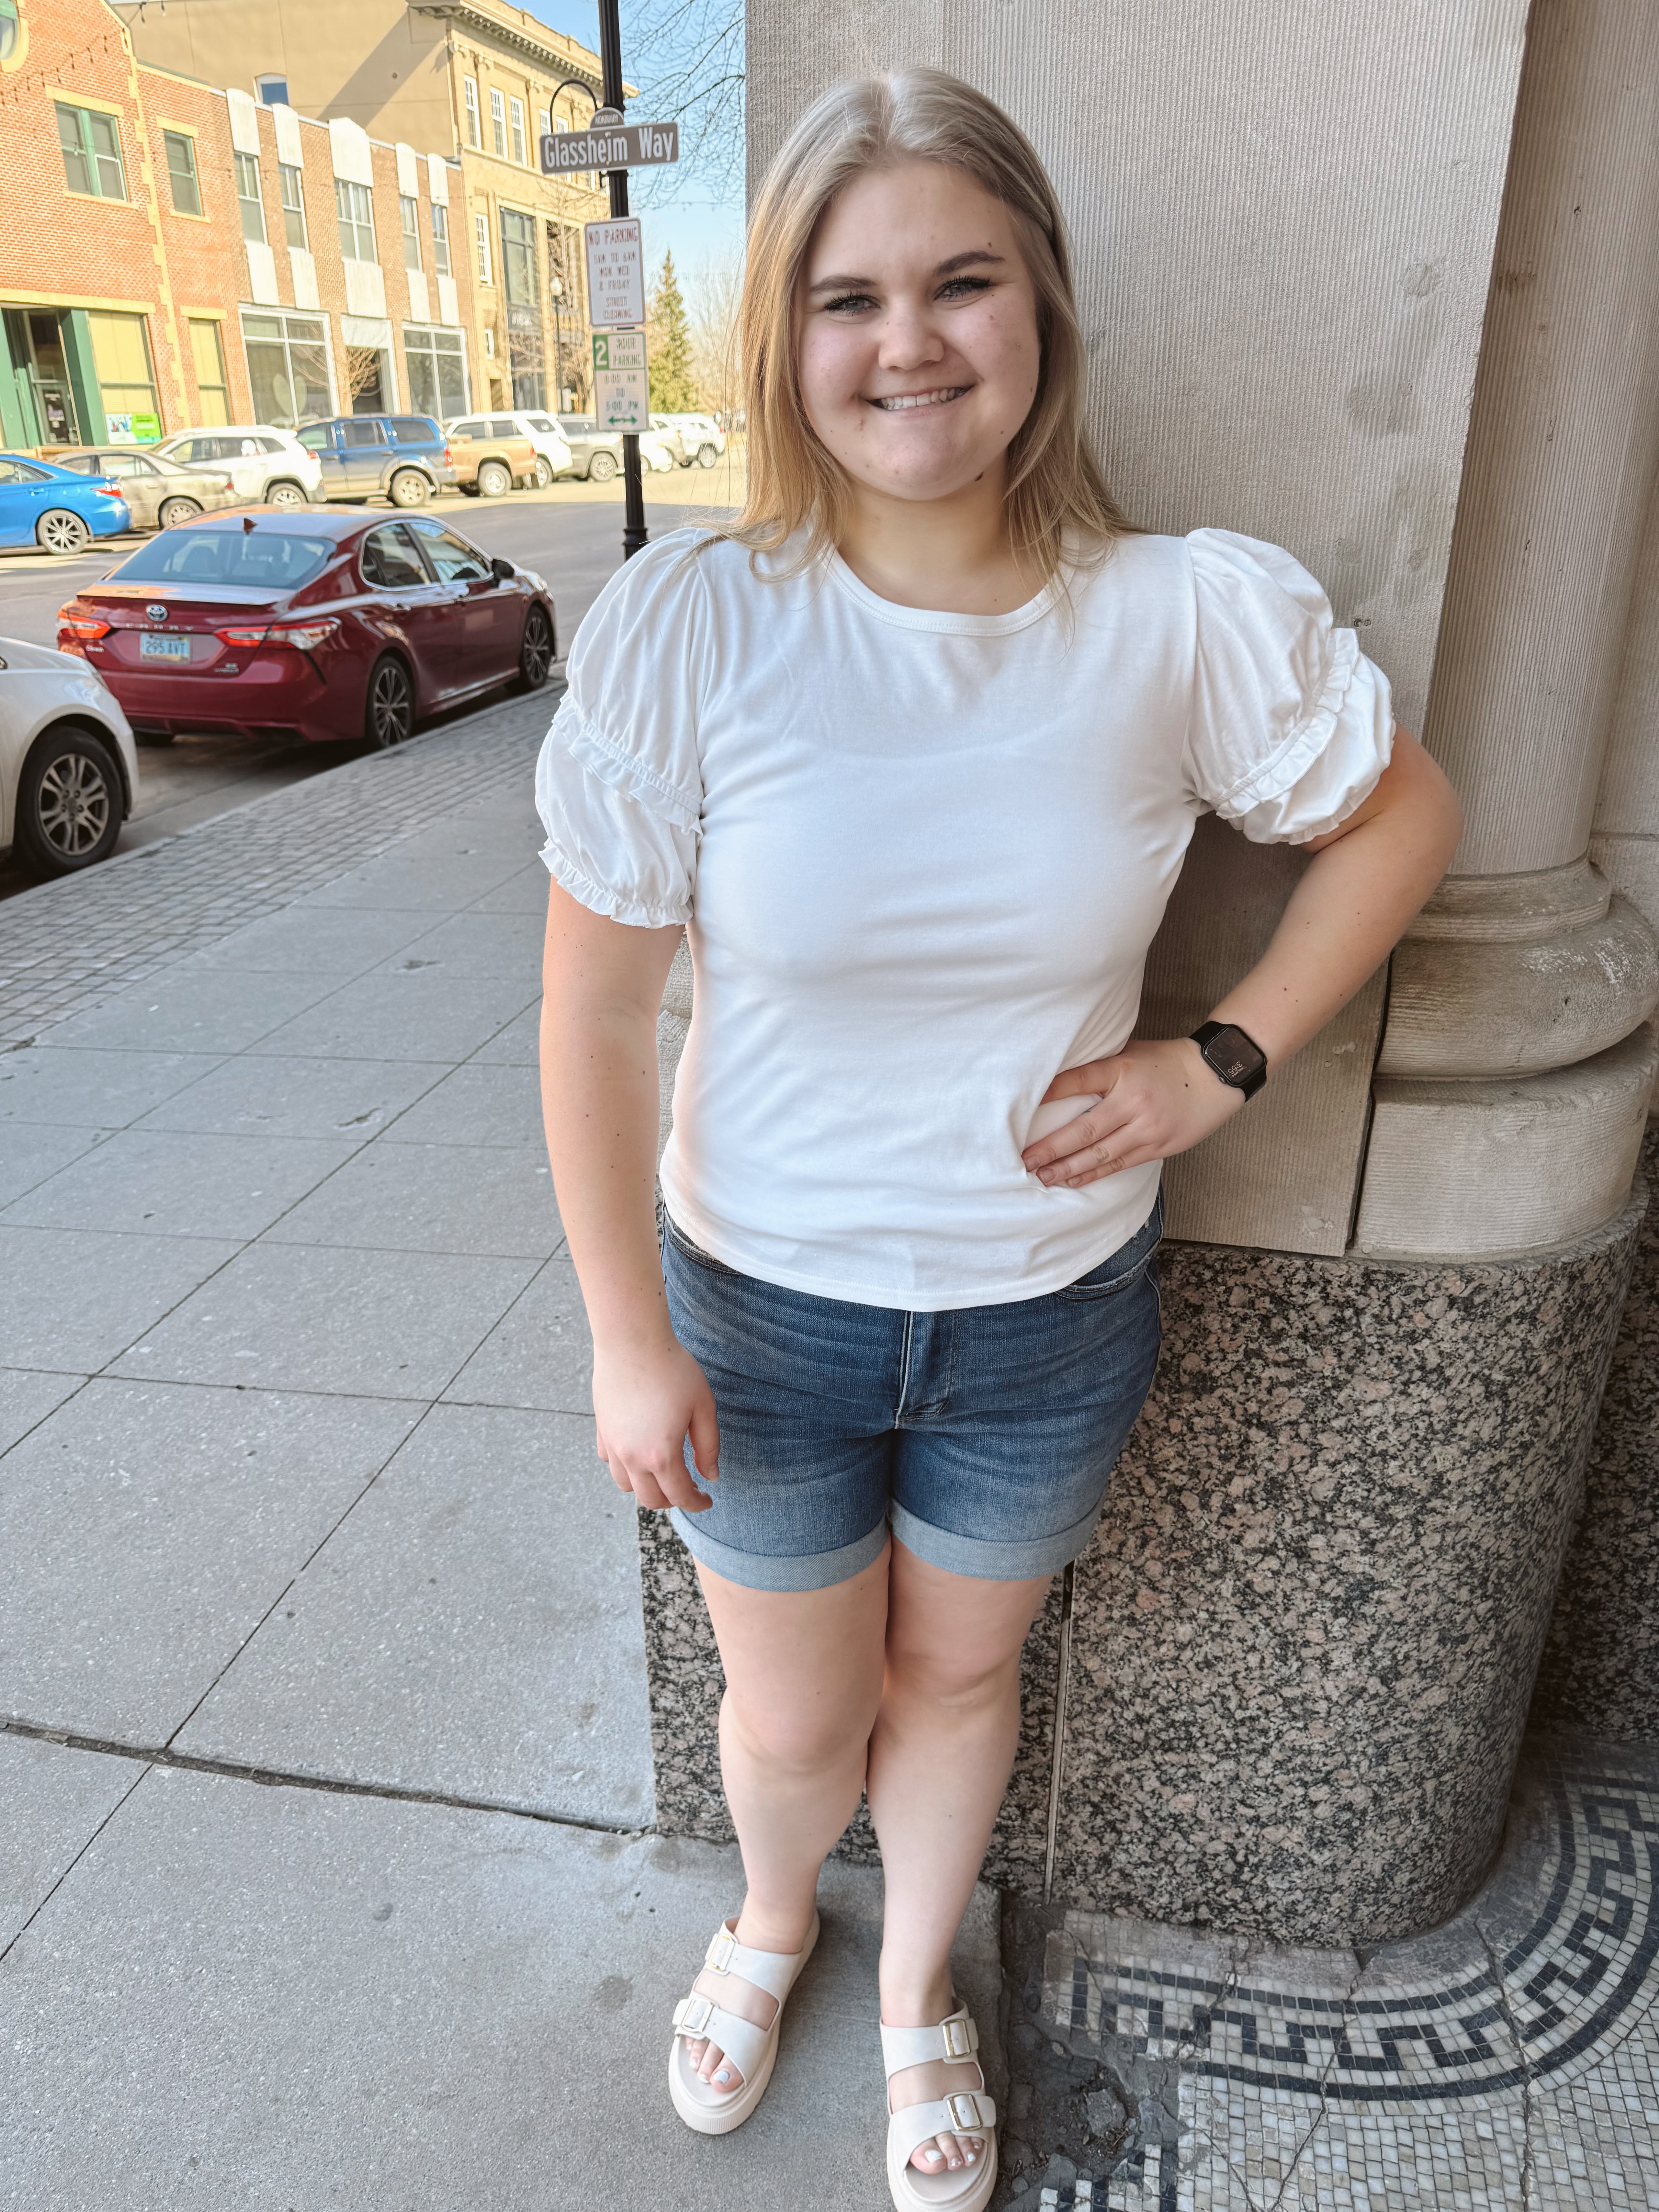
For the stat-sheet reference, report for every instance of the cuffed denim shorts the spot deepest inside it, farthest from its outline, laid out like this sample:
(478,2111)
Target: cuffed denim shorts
(982,1437)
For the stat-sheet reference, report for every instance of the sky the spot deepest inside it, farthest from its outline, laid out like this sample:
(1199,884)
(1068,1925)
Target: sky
(685,220)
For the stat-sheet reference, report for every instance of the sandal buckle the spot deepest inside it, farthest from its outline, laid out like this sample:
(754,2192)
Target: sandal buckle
(719,1955)
(693,2014)
(957,2043)
(964,2112)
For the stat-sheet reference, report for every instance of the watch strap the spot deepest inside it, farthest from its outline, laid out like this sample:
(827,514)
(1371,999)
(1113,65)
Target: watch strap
(1250,1083)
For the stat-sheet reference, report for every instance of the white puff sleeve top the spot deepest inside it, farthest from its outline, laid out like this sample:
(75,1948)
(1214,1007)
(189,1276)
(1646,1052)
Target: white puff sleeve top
(921,856)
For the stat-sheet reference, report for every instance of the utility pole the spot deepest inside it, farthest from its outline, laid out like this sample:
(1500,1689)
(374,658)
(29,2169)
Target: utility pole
(633,531)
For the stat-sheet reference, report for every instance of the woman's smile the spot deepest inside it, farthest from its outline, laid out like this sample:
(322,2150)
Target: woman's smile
(898,402)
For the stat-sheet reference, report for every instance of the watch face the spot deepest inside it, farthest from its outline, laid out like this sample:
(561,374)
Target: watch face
(1232,1055)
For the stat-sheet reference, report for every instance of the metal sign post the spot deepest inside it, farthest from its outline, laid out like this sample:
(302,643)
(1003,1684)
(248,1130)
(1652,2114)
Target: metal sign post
(634,532)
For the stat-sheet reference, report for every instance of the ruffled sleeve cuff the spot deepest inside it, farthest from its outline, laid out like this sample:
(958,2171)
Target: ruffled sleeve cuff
(621,838)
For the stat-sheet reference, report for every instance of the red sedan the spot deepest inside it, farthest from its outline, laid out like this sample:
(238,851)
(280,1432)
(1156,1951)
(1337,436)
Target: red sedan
(266,622)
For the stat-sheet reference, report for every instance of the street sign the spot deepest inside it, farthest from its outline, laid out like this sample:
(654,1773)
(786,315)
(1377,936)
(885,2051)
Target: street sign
(616,272)
(622,392)
(610,146)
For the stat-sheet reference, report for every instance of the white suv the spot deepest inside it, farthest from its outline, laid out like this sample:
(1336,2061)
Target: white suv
(271,466)
(702,436)
(552,449)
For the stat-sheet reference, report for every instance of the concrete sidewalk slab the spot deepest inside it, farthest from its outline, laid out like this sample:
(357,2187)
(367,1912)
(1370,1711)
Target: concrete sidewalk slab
(525,893)
(299,1317)
(470,1628)
(145,1530)
(336,2001)
(30,1152)
(424,1013)
(274,1097)
(159,1182)
(539,1354)
(194,1010)
(435,878)
(56,1802)
(519,1045)
(316,941)
(25,1399)
(431,1198)
(88,1089)
(480,1103)
(477,943)
(72,1299)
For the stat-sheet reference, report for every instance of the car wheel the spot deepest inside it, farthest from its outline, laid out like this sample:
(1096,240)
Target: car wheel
(536,654)
(285,494)
(543,472)
(495,480)
(171,512)
(602,468)
(468,491)
(410,488)
(706,456)
(68,801)
(61,532)
(389,708)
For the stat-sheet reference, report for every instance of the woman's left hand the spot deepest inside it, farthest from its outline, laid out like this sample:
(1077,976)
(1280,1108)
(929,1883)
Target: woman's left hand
(1157,1098)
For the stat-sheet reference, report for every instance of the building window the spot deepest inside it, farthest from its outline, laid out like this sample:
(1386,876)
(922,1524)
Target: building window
(10,30)
(292,181)
(92,152)
(247,193)
(437,371)
(408,215)
(440,239)
(287,368)
(355,209)
(126,377)
(519,259)
(470,93)
(519,153)
(181,172)
(498,122)
(524,312)
(272,90)
(481,238)
(212,387)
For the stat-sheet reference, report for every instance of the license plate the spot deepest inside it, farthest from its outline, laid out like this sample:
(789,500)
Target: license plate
(151,647)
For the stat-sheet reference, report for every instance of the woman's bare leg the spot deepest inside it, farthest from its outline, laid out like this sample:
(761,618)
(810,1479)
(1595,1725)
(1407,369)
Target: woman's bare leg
(940,1757)
(803,1681)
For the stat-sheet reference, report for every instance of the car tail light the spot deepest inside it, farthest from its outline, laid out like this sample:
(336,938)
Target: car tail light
(109,491)
(306,635)
(77,625)
(243,635)
(449,458)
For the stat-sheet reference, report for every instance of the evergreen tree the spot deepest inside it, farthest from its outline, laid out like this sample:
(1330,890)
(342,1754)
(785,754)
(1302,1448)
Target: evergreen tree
(673,382)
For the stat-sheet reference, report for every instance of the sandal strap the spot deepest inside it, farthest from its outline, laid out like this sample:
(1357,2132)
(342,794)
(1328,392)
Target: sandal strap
(967,2112)
(744,2043)
(954,2039)
(775,1971)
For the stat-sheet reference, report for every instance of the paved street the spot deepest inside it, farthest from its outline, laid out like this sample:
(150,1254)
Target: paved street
(328,1876)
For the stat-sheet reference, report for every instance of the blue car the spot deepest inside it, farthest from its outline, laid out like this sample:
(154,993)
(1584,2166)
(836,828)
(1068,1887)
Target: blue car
(55,509)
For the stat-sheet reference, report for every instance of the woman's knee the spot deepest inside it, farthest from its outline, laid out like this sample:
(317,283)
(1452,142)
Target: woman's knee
(805,1737)
(957,1676)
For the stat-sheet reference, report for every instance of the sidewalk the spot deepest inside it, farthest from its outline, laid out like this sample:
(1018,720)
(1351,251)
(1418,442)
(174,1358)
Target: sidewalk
(327,1876)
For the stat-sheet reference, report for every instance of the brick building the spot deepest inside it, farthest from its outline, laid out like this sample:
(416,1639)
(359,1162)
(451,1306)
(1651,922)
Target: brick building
(173,254)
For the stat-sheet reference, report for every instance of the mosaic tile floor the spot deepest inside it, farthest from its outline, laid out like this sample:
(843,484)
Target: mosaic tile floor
(1510,2059)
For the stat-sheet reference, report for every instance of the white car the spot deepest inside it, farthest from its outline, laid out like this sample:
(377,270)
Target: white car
(552,448)
(69,770)
(701,436)
(269,466)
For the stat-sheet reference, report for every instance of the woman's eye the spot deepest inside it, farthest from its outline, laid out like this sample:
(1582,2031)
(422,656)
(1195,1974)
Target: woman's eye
(853,303)
(960,287)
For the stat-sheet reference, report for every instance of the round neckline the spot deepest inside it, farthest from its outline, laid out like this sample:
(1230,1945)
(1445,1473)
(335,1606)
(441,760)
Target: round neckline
(939,620)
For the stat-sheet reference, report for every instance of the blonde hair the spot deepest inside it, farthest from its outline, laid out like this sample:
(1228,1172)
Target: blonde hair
(1057,499)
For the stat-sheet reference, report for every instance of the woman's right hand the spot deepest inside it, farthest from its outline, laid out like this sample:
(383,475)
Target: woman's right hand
(645,1402)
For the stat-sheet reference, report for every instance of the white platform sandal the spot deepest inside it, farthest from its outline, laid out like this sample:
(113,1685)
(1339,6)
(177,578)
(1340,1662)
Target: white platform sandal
(753,2051)
(965,2112)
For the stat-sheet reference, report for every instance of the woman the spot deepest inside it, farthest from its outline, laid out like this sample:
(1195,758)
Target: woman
(914,750)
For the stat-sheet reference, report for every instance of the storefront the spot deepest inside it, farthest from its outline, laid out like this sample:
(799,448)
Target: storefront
(288,367)
(78,375)
(435,358)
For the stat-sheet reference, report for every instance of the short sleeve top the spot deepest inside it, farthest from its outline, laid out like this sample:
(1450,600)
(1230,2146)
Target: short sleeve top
(922,857)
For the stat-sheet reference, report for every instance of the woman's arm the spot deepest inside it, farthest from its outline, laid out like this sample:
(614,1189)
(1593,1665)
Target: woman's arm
(1367,878)
(601,985)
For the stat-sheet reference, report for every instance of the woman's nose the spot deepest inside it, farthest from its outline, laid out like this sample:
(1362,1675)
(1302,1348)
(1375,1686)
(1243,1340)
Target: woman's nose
(909,340)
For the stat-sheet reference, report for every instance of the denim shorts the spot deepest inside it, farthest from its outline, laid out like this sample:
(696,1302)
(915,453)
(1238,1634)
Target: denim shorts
(983,1437)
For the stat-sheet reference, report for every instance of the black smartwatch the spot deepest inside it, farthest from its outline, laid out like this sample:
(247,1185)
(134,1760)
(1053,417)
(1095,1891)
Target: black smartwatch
(1232,1055)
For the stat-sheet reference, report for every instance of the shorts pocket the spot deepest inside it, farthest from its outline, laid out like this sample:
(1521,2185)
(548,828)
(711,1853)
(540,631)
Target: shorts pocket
(694,1253)
(1122,1269)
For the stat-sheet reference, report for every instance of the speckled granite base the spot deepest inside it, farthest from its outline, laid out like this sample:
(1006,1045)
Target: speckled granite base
(1306,1638)
(1600,1668)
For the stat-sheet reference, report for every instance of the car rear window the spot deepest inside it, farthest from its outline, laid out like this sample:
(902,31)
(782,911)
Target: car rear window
(413,430)
(468,430)
(281,558)
(538,421)
(503,426)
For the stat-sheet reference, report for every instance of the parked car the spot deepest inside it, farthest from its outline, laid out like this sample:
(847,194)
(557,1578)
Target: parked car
(319,625)
(491,455)
(598,454)
(268,465)
(700,435)
(159,492)
(668,437)
(405,456)
(547,440)
(57,508)
(68,769)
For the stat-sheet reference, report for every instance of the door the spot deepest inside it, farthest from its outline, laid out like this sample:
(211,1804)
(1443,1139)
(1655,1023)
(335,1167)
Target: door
(323,439)
(364,454)
(490,613)
(424,610)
